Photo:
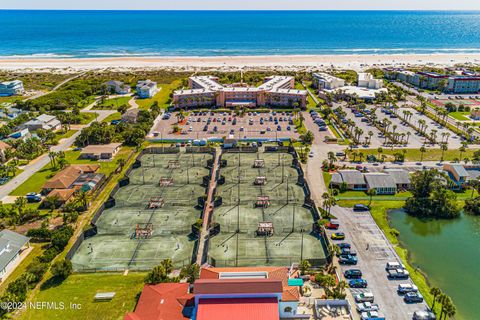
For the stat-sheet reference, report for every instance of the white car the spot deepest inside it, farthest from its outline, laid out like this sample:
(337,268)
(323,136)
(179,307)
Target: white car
(406,287)
(311,154)
(364,297)
(370,315)
(392,265)
(367,306)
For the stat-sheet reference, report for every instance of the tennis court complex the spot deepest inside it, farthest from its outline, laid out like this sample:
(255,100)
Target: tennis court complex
(152,216)
(263,220)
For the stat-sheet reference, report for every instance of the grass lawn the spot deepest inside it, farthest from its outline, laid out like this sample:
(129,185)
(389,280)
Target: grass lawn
(462,116)
(361,195)
(310,102)
(37,251)
(379,213)
(80,289)
(64,135)
(88,117)
(416,155)
(300,127)
(37,180)
(114,103)
(162,97)
(113,116)
(10,99)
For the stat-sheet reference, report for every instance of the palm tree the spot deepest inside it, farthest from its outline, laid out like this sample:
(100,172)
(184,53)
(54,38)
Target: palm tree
(444,148)
(435,292)
(84,198)
(461,150)
(422,151)
(371,193)
(331,159)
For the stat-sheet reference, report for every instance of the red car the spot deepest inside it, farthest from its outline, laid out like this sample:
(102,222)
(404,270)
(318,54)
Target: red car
(332,224)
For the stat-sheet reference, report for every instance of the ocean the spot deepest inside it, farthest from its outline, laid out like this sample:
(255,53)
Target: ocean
(90,34)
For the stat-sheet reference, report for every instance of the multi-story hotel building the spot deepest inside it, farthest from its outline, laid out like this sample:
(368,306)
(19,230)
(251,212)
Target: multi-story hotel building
(206,91)
(366,80)
(463,84)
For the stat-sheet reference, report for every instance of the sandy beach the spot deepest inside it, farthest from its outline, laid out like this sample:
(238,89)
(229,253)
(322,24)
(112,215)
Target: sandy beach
(288,62)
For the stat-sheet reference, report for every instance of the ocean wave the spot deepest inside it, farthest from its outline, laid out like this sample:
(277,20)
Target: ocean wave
(38,56)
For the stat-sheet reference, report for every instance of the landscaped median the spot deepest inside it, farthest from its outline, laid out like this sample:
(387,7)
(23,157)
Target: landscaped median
(412,154)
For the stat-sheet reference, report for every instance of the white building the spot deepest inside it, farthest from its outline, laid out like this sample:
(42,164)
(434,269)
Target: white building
(326,81)
(366,80)
(44,121)
(117,87)
(11,88)
(146,89)
(12,245)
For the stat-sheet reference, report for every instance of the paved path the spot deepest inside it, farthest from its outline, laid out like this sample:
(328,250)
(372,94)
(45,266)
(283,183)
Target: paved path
(41,94)
(207,213)
(38,163)
(360,229)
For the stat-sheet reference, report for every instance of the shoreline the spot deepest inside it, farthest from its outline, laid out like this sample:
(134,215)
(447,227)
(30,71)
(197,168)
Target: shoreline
(230,63)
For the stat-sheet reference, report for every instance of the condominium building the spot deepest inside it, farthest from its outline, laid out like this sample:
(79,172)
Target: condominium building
(326,81)
(206,91)
(146,88)
(366,80)
(463,84)
(431,80)
(11,88)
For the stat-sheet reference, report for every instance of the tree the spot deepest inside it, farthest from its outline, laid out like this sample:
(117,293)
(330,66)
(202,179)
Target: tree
(161,273)
(331,159)
(431,196)
(371,193)
(422,151)
(307,138)
(305,266)
(434,291)
(62,269)
(190,272)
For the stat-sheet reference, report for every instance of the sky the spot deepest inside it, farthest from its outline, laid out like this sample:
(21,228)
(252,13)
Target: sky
(243,4)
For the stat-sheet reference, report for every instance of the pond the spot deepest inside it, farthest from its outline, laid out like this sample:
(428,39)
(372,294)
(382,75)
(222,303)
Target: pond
(448,251)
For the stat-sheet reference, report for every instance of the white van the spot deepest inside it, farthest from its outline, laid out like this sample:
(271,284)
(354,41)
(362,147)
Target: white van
(364,297)
(393,265)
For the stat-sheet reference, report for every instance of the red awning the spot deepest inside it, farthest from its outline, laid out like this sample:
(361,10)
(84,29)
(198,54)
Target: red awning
(238,309)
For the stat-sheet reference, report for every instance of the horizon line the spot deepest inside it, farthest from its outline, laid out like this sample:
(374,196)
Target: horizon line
(250,10)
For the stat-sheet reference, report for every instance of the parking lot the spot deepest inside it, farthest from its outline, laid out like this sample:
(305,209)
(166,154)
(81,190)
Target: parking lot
(373,252)
(251,125)
(377,139)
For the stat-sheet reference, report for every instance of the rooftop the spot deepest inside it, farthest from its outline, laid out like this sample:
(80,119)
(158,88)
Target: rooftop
(10,244)
(65,178)
(237,286)
(101,148)
(379,180)
(238,309)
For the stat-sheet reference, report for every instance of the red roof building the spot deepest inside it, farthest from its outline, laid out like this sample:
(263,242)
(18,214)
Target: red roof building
(164,301)
(238,309)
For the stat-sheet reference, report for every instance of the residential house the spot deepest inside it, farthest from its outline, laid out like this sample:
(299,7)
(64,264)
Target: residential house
(146,89)
(117,87)
(11,113)
(11,88)
(382,183)
(400,177)
(44,121)
(353,179)
(102,151)
(457,174)
(72,179)
(12,244)
(131,115)
(20,134)
(3,149)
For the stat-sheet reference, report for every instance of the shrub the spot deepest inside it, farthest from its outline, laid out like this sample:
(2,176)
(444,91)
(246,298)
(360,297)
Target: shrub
(62,269)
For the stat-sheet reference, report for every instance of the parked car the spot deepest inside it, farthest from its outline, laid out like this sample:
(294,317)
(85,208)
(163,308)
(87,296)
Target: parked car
(322,128)
(364,297)
(338,236)
(369,315)
(33,197)
(360,207)
(340,154)
(333,224)
(413,297)
(344,245)
(349,251)
(406,287)
(347,259)
(367,306)
(358,283)
(205,128)
(398,274)
(392,265)
(424,315)
(352,274)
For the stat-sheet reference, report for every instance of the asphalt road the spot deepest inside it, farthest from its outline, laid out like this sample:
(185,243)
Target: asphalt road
(38,163)
(360,229)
